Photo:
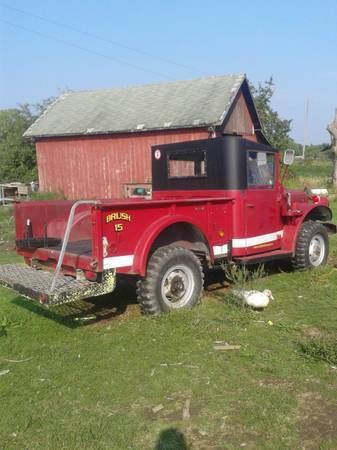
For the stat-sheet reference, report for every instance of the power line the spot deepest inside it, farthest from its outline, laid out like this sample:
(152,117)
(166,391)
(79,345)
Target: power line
(101,38)
(85,49)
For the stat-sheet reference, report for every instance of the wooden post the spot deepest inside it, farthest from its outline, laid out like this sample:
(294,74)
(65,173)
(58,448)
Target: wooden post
(332,129)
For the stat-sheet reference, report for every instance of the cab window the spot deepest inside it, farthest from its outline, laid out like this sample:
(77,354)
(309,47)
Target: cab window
(260,169)
(187,164)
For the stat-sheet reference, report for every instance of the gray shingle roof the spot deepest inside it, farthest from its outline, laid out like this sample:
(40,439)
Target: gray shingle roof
(181,104)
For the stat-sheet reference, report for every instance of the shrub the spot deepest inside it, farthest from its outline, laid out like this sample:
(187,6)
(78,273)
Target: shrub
(48,196)
(320,349)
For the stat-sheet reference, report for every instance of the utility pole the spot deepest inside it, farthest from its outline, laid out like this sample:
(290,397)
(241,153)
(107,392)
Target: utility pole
(305,136)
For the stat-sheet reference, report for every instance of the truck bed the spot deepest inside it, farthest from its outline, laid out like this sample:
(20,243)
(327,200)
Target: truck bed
(116,234)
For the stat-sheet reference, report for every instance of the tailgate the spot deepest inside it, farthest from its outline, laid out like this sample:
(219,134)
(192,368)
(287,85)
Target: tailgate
(36,284)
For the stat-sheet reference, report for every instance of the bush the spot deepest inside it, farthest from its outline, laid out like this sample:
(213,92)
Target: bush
(48,196)
(320,349)
(241,276)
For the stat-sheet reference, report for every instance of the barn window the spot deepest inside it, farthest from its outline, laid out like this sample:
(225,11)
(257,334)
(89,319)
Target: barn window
(260,169)
(187,164)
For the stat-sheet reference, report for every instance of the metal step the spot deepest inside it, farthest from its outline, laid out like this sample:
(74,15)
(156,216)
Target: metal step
(35,284)
(263,257)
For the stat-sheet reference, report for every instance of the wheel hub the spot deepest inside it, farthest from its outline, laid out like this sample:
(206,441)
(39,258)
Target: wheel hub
(177,286)
(316,250)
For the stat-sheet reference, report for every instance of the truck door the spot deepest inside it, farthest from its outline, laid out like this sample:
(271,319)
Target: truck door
(262,203)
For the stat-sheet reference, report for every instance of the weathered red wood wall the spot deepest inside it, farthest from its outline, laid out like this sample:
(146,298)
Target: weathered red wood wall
(99,166)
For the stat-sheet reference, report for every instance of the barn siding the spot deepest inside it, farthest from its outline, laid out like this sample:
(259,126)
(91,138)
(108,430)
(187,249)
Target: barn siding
(240,121)
(98,167)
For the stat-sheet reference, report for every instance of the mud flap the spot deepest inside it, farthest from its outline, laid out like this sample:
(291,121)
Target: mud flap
(35,284)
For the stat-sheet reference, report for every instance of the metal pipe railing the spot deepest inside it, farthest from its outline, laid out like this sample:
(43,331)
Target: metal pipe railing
(66,238)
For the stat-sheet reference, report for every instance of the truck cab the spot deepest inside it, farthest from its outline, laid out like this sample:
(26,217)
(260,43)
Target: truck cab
(244,171)
(261,209)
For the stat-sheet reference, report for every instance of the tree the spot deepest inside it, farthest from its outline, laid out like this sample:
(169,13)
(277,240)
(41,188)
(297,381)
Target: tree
(332,129)
(17,155)
(274,127)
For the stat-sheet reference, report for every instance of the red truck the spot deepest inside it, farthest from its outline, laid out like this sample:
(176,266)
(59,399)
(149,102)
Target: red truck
(214,201)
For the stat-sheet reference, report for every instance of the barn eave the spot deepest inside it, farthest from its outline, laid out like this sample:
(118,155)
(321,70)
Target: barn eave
(207,126)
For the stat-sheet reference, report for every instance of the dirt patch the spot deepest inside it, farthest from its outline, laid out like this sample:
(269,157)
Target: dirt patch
(172,410)
(120,305)
(230,436)
(276,384)
(6,247)
(312,332)
(316,419)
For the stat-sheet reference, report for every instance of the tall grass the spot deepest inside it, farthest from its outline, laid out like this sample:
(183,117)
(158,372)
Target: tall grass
(310,173)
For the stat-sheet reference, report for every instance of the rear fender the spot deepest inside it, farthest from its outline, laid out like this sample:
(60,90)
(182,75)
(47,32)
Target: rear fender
(150,235)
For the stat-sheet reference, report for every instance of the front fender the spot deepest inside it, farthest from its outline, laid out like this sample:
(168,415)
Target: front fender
(320,213)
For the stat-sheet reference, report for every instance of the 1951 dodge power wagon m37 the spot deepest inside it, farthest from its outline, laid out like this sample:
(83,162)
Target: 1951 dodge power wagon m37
(214,201)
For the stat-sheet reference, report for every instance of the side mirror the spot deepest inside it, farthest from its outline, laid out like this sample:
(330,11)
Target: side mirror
(288,157)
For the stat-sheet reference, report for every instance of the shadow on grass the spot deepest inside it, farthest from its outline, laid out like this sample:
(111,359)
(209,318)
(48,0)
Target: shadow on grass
(87,311)
(275,267)
(215,280)
(171,439)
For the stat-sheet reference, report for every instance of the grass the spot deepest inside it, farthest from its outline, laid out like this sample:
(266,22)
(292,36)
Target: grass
(321,349)
(311,174)
(7,232)
(48,196)
(88,385)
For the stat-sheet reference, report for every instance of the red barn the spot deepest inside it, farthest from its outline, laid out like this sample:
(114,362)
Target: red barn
(92,144)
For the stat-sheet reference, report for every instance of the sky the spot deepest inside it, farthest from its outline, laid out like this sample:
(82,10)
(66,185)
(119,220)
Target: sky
(49,46)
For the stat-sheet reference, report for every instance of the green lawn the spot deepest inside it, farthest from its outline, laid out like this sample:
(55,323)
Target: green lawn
(123,381)
(312,173)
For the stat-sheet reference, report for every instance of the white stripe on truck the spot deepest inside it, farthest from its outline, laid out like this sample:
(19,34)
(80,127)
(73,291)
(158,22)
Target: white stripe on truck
(220,249)
(256,240)
(113,262)
(248,242)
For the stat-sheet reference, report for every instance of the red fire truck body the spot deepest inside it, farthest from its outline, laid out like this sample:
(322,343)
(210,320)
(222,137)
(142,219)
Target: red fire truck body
(216,200)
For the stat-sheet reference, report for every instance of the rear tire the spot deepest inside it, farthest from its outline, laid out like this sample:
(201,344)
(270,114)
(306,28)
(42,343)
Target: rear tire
(312,246)
(174,280)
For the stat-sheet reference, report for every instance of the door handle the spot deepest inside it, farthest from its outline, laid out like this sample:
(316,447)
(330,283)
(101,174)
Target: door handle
(250,205)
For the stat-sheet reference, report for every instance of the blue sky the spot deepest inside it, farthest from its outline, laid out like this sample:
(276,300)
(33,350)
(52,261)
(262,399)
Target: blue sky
(147,41)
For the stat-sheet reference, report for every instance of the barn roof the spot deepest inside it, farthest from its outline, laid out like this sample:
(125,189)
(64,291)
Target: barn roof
(181,104)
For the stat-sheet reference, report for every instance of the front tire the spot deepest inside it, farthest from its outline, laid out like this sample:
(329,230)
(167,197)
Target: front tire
(312,246)
(174,280)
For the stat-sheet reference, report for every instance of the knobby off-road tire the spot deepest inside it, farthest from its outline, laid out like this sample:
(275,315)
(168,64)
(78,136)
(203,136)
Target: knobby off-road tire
(312,246)
(174,280)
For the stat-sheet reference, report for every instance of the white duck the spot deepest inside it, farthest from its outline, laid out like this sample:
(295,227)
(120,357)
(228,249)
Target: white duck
(255,299)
